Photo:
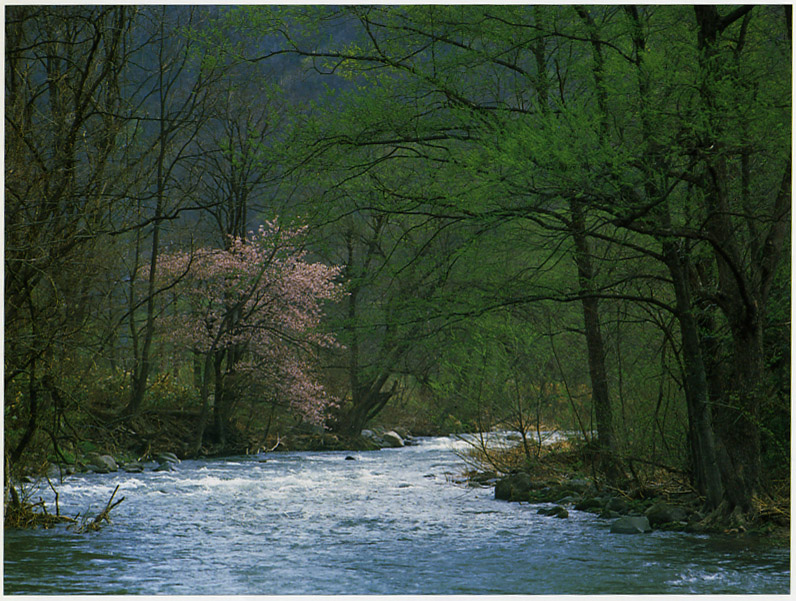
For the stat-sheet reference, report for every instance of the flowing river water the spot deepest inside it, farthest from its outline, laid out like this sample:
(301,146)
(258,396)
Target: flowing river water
(389,522)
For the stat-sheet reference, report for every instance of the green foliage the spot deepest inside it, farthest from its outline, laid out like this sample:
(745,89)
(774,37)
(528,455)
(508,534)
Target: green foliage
(438,153)
(172,392)
(86,446)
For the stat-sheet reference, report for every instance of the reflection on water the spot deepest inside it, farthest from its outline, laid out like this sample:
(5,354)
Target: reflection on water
(391,522)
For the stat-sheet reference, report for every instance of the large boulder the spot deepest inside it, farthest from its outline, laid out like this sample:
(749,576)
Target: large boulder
(593,504)
(374,437)
(101,464)
(631,525)
(515,487)
(392,439)
(663,513)
(568,500)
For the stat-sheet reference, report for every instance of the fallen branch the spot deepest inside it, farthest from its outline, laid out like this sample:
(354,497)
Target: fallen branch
(55,492)
(103,516)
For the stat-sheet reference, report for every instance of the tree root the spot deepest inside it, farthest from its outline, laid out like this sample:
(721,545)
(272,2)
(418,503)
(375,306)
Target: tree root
(730,520)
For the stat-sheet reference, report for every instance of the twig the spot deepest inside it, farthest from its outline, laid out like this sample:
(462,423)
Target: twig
(104,515)
(57,508)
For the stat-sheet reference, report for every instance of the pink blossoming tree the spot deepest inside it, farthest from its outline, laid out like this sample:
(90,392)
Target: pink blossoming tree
(253,312)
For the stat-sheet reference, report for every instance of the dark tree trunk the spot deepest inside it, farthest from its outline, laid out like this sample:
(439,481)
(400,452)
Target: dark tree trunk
(204,415)
(743,282)
(367,397)
(143,358)
(701,433)
(702,440)
(33,418)
(601,400)
(367,401)
(219,407)
(737,421)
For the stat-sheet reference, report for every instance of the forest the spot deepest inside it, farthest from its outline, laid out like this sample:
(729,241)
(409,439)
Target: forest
(226,226)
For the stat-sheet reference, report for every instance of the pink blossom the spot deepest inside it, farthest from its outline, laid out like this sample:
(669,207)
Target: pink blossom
(260,294)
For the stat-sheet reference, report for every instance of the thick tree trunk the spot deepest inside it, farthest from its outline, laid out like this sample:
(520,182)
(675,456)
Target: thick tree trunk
(737,419)
(204,415)
(609,457)
(143,361)
(702,440)
(367,397)
(736,411)
(701,434)
(367,401)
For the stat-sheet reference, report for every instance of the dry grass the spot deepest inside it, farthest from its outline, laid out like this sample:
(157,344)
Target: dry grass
(23,514)
(553,462)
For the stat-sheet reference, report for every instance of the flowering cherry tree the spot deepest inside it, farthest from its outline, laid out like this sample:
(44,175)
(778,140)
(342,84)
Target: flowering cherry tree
(253,311)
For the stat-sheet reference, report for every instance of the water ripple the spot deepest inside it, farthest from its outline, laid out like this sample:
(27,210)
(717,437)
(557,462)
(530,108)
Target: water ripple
(389,523)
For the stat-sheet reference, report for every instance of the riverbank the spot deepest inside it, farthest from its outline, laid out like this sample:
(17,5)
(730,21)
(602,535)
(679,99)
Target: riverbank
(153,432)
(557,478)
(155,440)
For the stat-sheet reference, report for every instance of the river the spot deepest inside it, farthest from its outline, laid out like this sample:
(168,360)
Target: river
(389,522)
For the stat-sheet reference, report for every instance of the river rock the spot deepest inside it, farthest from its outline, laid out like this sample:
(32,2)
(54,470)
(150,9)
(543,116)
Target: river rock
(374,437)
(102,464)
(484,477)
(166,458)
(168,466)
(392,439)
(593,504)
(631,525)
(663,513)
(133,467)
(556,511)
(515,487)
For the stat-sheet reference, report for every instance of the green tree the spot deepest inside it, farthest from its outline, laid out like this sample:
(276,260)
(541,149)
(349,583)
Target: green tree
(637,155)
